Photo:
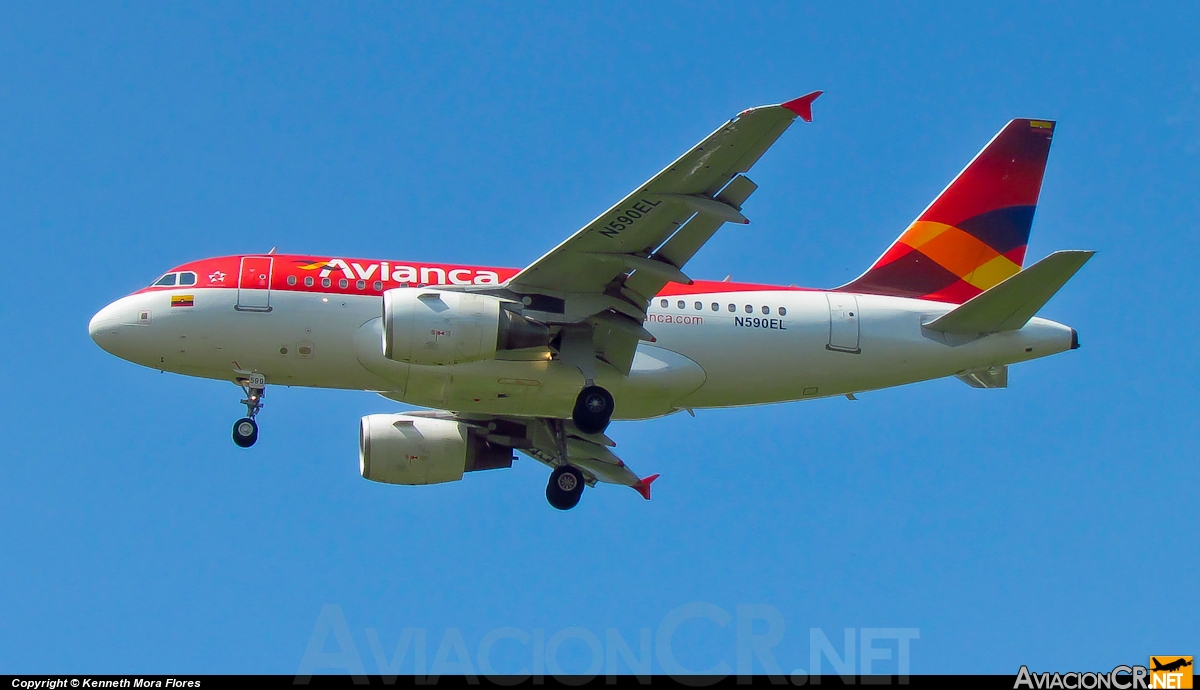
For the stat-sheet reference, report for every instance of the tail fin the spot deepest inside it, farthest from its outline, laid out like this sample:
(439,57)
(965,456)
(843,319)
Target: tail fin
(974,234)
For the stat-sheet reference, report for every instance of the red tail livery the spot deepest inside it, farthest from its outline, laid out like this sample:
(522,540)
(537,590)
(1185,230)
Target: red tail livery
(974,234)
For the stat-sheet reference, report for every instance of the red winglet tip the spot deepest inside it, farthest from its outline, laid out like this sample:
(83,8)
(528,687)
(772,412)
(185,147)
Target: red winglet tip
(643,486)
(802,106)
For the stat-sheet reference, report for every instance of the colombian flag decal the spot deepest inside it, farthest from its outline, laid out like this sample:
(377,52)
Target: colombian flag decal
(182,300)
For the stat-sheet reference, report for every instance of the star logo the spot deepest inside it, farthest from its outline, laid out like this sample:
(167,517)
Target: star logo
(216,277)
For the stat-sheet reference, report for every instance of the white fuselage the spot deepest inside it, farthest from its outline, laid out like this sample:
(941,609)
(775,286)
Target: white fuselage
(811,344)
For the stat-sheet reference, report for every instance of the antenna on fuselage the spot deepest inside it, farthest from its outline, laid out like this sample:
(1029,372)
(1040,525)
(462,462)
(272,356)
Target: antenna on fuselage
(272,250)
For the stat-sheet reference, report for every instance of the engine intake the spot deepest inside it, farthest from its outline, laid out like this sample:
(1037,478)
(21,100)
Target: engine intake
(403,449)
(437,327)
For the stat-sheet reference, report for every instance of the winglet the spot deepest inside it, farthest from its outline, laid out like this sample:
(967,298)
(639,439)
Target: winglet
(643,486)
(802,106)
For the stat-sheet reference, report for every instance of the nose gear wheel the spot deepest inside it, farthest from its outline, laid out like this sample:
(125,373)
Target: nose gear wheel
(245,430)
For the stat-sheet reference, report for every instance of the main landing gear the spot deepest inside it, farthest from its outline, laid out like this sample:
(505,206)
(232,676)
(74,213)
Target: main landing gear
(593,410)
(245,430)
(567,482)
(565,487)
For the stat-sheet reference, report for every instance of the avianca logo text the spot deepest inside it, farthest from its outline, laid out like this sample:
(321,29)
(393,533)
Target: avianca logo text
(400,273)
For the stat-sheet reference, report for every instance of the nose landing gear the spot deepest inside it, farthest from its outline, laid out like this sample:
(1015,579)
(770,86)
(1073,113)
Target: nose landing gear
(245,430)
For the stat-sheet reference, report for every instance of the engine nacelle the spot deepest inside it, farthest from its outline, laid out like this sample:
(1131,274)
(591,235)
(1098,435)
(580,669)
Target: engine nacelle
(402,449)
(430,327)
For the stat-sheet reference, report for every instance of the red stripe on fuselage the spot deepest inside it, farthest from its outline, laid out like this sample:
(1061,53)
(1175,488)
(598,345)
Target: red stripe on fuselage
(223,272)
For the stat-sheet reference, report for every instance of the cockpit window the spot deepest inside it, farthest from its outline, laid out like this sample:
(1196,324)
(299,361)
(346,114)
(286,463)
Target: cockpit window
(183,278)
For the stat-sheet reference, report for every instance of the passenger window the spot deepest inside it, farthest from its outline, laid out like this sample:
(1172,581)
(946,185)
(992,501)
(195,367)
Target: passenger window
(766,310)
(749,309)
(663,304)
(343,283)
(716,307)
(379,285)
(168,279)
(732,308)
(308,281)
(681,304)
(291,280)
(361,285)
(325,282)
(783,311)
(187,278)
(699,306)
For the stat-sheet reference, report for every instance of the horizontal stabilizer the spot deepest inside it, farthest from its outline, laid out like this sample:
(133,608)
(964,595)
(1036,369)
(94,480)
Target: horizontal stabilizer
(1011,304)
(985,377)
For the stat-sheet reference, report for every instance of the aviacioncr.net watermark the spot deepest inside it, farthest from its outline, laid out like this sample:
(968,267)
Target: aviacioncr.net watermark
(749,640)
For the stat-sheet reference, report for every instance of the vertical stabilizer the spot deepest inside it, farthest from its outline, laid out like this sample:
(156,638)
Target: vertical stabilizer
(974,234)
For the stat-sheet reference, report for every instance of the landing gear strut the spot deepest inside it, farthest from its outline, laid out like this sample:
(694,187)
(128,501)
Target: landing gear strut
(245,430)
(593,410)
(565,487)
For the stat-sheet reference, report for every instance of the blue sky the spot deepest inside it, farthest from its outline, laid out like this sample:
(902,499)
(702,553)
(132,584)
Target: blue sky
(1051,524)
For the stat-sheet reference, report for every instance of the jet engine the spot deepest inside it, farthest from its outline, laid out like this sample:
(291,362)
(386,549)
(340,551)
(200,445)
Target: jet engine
(404,449)
(429,326)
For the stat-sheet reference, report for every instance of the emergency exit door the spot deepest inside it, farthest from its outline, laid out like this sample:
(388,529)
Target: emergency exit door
(254,283)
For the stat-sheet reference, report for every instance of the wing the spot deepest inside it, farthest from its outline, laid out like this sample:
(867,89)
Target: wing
(604,275)
(588,452)
(552,442)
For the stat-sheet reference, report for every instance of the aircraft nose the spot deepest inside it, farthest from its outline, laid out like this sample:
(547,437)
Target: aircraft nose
(105,326)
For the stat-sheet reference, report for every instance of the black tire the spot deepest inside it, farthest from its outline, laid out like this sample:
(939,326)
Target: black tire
(245,436)
(593,410)
(565,487)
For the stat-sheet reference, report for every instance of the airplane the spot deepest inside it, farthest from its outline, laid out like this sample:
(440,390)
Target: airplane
(607,325)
